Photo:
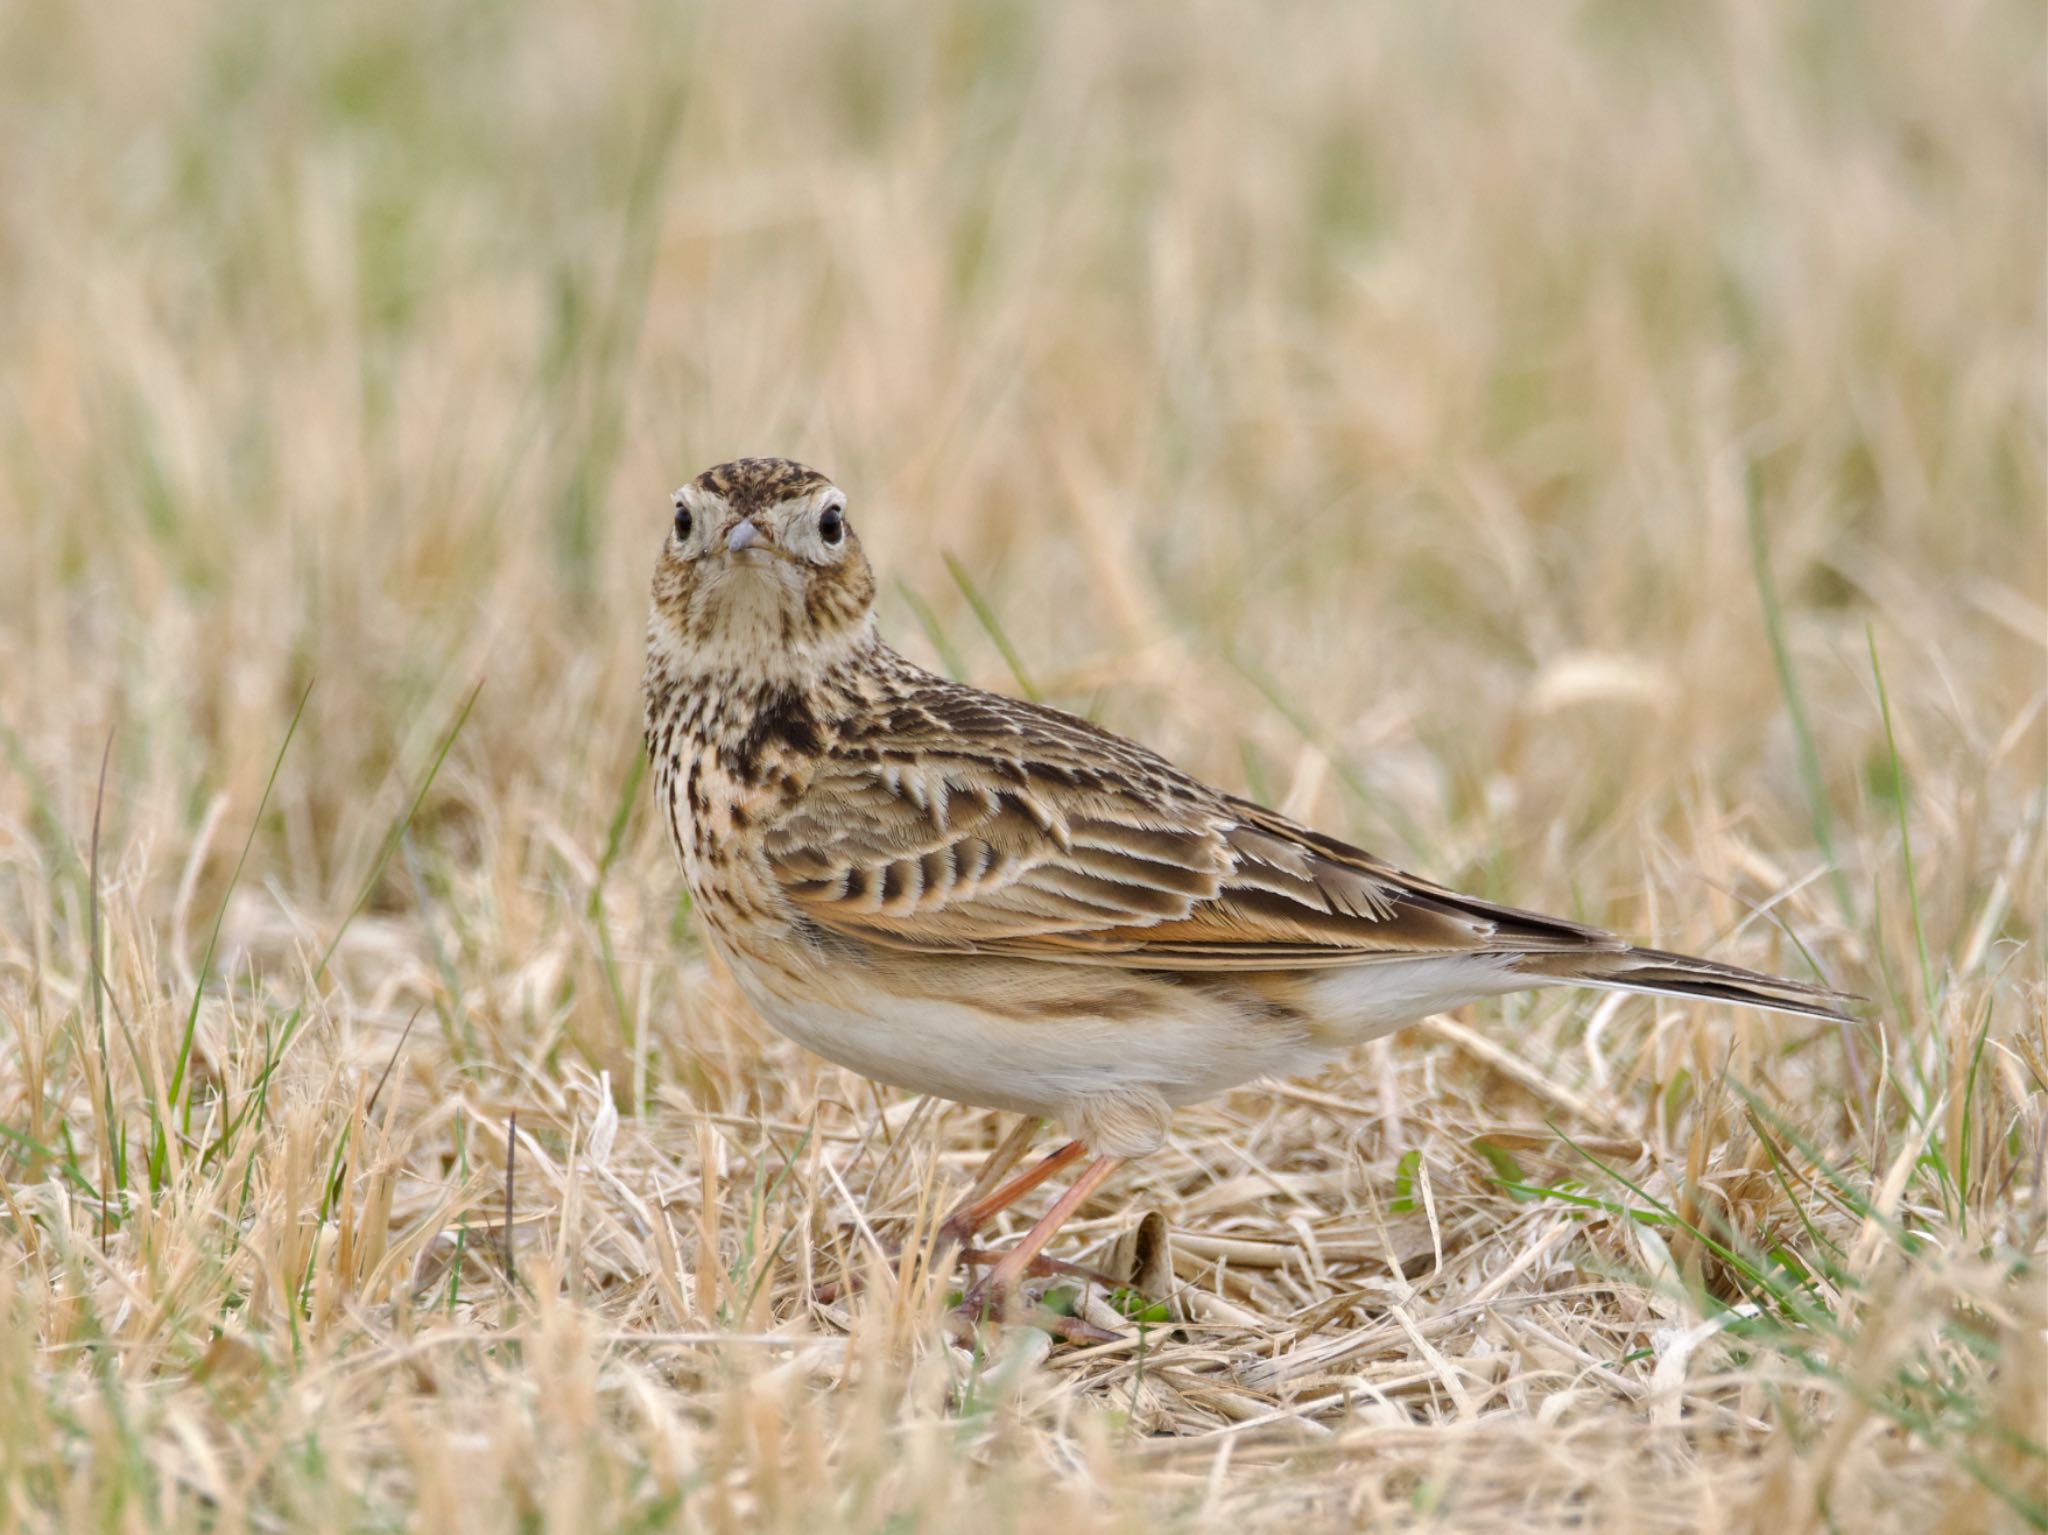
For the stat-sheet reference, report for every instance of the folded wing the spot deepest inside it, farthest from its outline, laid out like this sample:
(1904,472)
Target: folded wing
(965,853)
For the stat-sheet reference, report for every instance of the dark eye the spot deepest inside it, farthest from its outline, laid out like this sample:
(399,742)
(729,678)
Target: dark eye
(683,523)
(832,525)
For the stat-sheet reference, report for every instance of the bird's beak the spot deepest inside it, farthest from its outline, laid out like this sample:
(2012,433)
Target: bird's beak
(744,536)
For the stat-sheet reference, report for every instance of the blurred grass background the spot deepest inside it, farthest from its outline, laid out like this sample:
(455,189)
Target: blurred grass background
(1487,429)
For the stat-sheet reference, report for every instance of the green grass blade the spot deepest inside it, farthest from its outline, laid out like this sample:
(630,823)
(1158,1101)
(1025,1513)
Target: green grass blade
(934,631)
(987,615)
(1899,798)
(397,833)
(1821,815)
(220,915)
(1347,773)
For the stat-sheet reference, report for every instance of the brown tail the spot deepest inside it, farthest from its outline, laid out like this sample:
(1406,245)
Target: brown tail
(1682,975)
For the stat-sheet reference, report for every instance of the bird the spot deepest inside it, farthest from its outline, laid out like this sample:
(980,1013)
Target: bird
(971,895)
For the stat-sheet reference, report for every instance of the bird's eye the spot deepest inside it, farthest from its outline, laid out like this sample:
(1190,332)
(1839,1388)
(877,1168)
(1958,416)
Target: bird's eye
(683,523)
(832,526)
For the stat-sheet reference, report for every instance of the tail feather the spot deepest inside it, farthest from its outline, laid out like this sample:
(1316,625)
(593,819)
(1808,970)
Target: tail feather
(1682,975)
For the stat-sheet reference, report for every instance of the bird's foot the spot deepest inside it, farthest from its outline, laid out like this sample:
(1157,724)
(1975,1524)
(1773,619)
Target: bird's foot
(1040,1267)
(989,1305)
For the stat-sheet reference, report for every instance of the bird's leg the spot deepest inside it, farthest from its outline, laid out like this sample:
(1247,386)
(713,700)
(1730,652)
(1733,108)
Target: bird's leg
(996,1285)
(981,1205)
(972,1216)
(1006,1156)
(1041,1267)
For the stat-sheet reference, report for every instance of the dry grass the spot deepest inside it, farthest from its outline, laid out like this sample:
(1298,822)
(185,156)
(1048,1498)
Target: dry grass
(1513,435)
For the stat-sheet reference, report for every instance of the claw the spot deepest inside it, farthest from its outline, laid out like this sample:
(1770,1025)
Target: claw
(965,1321)
(1074,1329)
(1040,1267)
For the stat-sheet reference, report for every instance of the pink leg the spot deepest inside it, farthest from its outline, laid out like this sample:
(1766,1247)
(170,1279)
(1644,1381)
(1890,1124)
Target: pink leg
(996,1286)
(970,1218)
(982,1206)
(1004,1157)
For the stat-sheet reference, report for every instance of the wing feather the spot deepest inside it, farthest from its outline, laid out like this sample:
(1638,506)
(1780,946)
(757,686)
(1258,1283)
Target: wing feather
(1018,830)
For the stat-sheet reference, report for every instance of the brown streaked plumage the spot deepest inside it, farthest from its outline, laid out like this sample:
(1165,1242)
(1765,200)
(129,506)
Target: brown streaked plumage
(965,894)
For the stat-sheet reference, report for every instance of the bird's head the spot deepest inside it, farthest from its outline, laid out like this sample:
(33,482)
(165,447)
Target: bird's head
(761,573)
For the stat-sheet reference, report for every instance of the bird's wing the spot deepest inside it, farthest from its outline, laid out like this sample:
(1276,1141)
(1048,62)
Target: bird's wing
(1018,830)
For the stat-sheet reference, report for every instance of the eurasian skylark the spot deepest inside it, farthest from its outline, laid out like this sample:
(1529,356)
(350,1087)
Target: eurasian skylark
(965,894)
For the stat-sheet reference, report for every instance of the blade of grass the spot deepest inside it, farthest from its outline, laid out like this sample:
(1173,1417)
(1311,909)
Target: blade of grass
(1822,817)
(67,1164)
(617,339)
(511,1170)
(49,824)
(115,1173)
(455,1027)
(220,915)
(461,1133)
(594,913)
(928,621)
(1347,774)
(258,1098)
(1751,1266)
(1968,1116)
(762,1200)
(102,996)
(1899,798)
(987,615)
(332,1196)
(396,833)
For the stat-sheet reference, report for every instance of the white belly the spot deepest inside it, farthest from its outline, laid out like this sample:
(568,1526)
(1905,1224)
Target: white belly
(1045,1066)
(1099,1076)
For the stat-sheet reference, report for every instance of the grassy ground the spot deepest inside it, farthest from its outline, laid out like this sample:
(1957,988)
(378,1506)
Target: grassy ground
(1593,453)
